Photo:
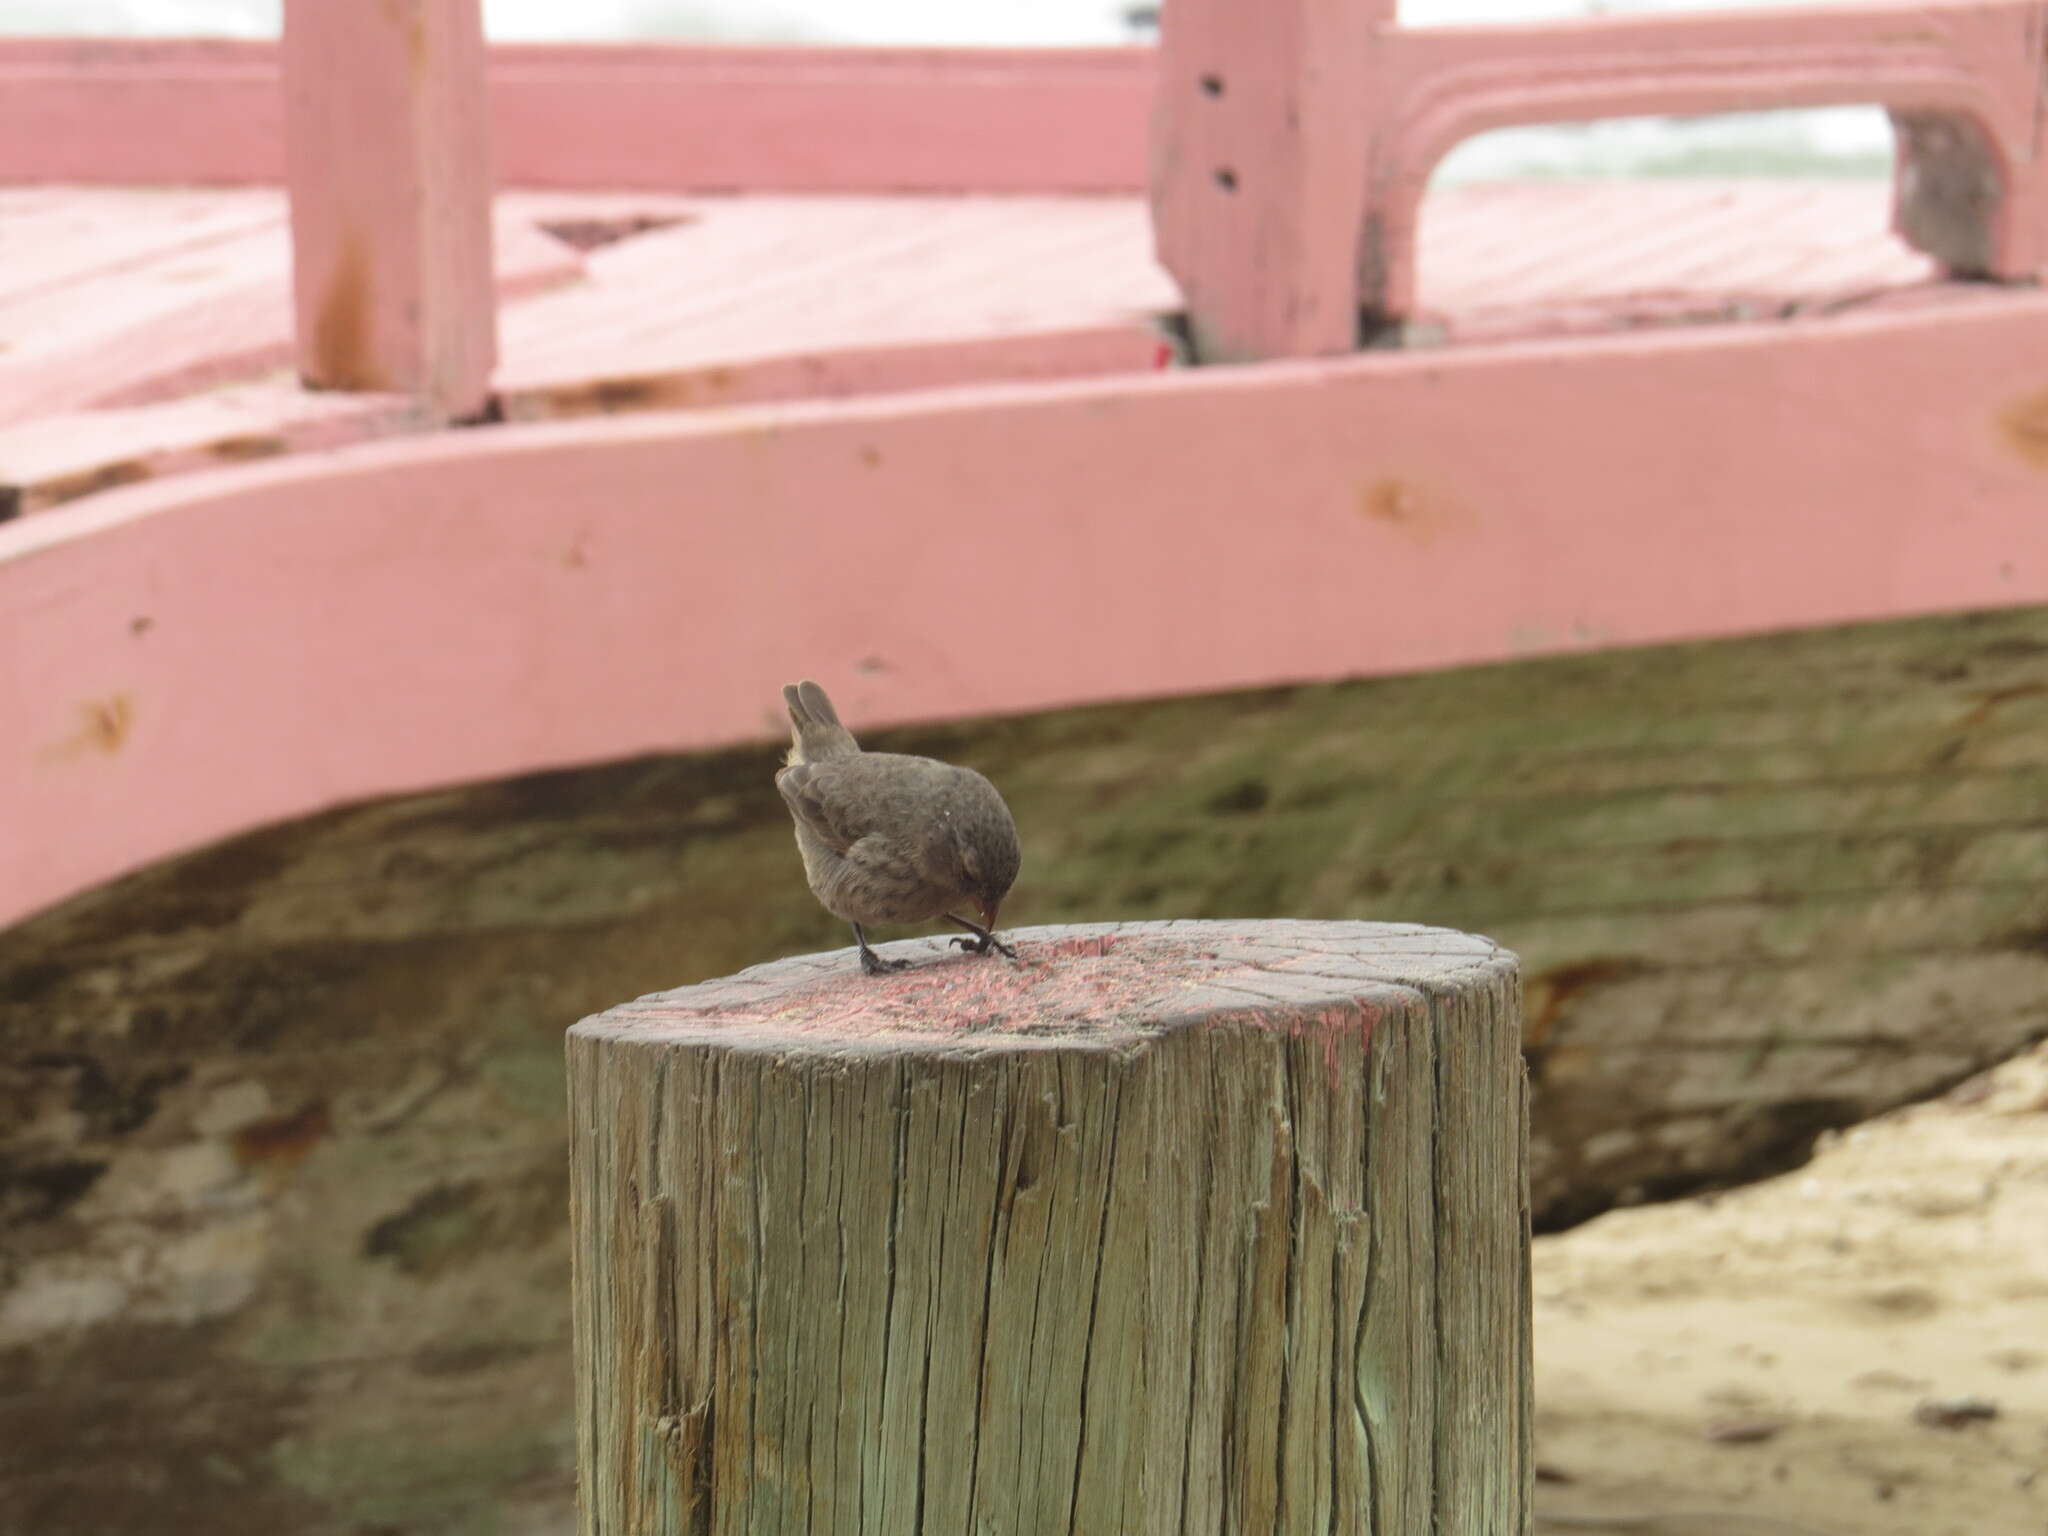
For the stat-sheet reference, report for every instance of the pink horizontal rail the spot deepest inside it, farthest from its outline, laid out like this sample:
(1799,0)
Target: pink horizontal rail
(190,659)
(628,118)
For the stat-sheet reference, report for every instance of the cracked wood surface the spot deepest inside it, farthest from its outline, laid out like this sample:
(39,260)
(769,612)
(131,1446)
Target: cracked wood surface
(1170,1227)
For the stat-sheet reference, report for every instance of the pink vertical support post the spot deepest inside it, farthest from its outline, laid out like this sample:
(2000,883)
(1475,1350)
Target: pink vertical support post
(387,158)
(1260,139)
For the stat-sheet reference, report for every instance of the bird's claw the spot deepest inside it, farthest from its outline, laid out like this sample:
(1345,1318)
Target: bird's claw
(875,965)
(982,943)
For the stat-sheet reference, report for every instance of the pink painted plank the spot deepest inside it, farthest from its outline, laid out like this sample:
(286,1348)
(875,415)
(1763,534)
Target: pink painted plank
(55,459)
(769,280)
(153,315)
(180,661)
(990,120)
(750,298)
(768,298)
(1551,259)
(120,112)
(1292,150)
(61,238)
(846,372)
(676,118)
(387,162)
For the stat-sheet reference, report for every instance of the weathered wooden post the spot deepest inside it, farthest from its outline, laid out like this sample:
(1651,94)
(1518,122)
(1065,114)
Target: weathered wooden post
(1171,1227)
(387,158)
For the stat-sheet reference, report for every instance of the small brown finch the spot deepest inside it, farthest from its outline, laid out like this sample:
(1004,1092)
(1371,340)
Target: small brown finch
(888,838)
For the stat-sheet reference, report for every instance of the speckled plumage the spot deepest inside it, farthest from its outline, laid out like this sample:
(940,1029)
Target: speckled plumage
(890,838)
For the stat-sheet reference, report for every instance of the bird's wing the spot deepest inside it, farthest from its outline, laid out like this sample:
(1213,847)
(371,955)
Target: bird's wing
(840,800)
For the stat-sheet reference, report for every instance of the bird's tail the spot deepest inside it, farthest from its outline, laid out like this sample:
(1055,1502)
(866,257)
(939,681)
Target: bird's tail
(814,729)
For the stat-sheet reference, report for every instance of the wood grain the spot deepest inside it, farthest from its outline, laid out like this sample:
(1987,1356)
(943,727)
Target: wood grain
(1092,1242)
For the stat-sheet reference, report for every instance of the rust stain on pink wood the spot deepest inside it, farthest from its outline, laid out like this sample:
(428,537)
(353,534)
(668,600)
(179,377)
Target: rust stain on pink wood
(407,17)
(605,397)
(626,393)
(59,489)
(341,331)
(2023,423)
(416,48)
(103,727)
(254,445)
(108,722)
(1412,508)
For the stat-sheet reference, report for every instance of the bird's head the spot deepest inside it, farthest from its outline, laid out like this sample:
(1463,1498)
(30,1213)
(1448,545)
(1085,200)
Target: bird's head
(989,859)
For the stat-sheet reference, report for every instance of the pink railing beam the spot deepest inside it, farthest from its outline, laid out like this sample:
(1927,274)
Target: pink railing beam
(387,160)
(1291,151)
(211,653)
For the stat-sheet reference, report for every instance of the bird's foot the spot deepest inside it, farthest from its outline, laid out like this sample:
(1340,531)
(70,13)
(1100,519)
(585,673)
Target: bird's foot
(982,943)
(871,962)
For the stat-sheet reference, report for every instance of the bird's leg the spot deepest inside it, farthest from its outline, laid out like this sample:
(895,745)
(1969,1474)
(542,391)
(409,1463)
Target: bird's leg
(983,941)
(871,962)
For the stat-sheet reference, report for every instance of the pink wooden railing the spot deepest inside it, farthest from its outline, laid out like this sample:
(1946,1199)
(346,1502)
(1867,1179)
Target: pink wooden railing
(1293,142)
(204,654)
(623,117)
(387,158)
(1292,146)
(209,653)
(388,164)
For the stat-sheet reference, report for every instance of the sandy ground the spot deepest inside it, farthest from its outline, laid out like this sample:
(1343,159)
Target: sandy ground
(1765,1362)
